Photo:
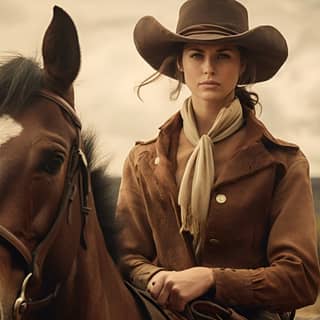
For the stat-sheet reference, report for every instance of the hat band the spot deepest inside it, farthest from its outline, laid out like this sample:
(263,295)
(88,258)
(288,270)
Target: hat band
(206,29)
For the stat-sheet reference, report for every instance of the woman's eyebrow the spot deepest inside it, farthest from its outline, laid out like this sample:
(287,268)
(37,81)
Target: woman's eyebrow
(225,49)
(194,49)
(202,50)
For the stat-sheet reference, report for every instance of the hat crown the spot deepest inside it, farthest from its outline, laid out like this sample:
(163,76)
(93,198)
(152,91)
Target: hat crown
(228,14)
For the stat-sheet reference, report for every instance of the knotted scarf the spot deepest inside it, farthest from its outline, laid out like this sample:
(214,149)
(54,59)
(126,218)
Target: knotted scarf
(198,177)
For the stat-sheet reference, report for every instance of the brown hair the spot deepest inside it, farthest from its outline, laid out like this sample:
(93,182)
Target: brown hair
(169,61)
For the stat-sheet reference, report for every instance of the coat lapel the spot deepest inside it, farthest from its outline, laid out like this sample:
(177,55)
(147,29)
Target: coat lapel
(164,173)
(246,162)
(254,156)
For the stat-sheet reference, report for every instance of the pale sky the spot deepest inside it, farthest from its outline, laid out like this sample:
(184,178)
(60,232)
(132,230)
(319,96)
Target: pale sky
(111,68)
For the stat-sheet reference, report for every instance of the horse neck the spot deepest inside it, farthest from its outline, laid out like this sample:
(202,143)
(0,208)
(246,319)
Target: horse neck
(95,289)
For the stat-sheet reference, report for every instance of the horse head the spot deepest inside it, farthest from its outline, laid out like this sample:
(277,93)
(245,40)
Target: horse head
(54,260)
(40,157)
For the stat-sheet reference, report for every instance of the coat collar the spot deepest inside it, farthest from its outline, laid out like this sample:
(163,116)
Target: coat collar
(256,129)
(254,155)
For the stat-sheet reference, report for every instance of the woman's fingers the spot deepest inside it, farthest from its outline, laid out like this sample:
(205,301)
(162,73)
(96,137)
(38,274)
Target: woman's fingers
(165,292)
(154,288)
(176,300)
(175,289)
(160,286)
(156,283)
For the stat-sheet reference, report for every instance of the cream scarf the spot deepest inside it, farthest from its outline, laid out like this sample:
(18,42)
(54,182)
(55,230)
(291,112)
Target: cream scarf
(198,177)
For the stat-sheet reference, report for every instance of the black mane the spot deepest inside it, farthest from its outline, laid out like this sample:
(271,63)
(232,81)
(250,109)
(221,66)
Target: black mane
(105,191)
(20,78)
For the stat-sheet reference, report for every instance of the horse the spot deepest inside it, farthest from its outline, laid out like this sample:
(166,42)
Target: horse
(54,263)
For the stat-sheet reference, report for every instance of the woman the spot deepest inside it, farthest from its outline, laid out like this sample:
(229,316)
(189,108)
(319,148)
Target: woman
(215,205)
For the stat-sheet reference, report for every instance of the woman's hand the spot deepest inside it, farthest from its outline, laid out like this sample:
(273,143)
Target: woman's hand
(174,289)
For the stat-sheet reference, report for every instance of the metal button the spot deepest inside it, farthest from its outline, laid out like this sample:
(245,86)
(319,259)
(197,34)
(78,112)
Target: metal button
(221,198)
(157,160)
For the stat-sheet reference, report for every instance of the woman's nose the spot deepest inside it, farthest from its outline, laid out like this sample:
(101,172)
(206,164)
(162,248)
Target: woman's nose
(209,66)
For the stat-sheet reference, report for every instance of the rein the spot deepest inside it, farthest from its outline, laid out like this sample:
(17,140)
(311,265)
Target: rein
(48,266)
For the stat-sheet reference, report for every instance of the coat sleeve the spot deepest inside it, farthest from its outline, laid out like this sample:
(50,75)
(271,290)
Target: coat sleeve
(292,278)
(136,246)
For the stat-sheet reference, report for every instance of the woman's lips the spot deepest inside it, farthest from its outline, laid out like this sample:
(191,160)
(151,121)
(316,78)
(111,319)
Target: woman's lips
(209,83)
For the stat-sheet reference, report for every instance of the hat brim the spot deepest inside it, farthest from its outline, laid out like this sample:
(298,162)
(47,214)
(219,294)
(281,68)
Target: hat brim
(266,45)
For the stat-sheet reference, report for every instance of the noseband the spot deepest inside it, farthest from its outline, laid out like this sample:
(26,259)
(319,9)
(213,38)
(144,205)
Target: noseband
(50,263)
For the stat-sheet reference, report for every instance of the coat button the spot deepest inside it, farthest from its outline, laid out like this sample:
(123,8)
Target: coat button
(221,198)
(157,160)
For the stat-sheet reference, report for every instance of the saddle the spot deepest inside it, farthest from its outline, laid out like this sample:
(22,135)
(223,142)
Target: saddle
(149,308)
(196,310)
(200,309)
(207,310)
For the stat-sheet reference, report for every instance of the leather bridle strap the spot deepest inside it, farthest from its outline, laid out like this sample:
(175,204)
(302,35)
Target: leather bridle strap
(23,304)
(17,244)
(63,104)
(46,266)
(53,258)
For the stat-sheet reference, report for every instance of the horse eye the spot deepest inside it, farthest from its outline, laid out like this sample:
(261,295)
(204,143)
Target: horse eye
(52,163)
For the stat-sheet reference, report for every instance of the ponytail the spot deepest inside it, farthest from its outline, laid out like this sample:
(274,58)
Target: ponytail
(247,98)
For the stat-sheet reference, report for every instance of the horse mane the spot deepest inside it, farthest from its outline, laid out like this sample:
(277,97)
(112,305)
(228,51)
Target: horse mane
(20,78)
(105,192)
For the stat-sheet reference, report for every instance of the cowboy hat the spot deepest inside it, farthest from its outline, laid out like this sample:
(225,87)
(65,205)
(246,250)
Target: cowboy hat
(213,21)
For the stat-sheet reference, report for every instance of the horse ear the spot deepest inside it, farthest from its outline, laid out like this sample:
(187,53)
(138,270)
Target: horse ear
(61,50)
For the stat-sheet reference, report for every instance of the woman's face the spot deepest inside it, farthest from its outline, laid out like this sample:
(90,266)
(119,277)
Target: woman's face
(211,72)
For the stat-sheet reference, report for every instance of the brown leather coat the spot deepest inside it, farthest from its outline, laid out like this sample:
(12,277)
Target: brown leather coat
(261,235)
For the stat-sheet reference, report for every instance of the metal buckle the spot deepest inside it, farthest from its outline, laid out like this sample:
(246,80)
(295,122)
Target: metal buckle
(21,304)
(83,157)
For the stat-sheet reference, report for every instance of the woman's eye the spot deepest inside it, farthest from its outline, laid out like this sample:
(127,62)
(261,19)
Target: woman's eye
(222,56)
(196,55)
(52,163)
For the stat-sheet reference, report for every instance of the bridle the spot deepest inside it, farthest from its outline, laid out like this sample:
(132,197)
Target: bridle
(50,263)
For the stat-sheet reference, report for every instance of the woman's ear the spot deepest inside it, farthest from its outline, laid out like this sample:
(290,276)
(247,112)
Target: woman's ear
(179,65)
(243,68)
(242,71)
